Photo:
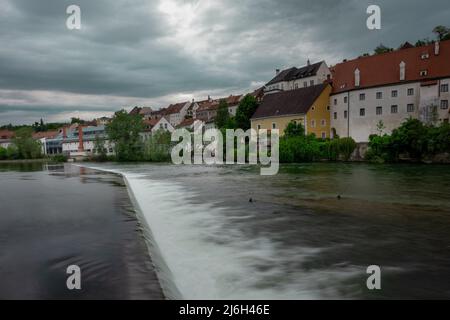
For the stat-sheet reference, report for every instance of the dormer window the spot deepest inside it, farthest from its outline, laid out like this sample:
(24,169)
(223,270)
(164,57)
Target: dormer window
(424,56)
(357,77)
(402,70)
(423,73)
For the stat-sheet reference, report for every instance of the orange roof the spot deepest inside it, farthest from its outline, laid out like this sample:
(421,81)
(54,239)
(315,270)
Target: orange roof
(186,122)
(175,108)
(45,134)
(6,134)
(384,69)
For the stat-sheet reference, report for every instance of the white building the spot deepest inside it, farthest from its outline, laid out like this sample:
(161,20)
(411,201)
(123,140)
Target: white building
(175,113)
(390,87)
(295,78)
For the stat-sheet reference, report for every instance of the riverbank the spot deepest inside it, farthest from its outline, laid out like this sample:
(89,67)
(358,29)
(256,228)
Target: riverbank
(60,215)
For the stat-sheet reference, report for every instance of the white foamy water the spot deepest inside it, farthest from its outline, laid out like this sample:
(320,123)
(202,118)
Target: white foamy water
(198,256)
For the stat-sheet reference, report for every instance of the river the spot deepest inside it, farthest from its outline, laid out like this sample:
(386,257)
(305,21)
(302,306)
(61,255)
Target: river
(309,232)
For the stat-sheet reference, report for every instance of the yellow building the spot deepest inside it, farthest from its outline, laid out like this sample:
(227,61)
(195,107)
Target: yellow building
(308,106)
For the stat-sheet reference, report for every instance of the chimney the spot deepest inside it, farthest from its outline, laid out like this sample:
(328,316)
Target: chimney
(209,98)
(80,139)
(308,62)
(64,132)
(436,48)
(277,71)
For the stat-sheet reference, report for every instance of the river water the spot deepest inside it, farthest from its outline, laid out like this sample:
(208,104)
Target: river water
(229,233)
(309,232)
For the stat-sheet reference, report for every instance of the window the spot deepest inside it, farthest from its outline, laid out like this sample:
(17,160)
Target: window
(362,112)
(424,56)
(274,125)
(305,84)
(328,108)
(379,111)
(296,86)
(313,123)
(362,96)
(259,127)
(444,87)
(335,101)
(345,99)
(311,82)
(410,107)
(165,125)
(394,94)
(323,122)
(444,104)
(410,91)
(394,109)
(379,95)
(324,135)
(313,108)
(345,114)
(423,73)
(335,115)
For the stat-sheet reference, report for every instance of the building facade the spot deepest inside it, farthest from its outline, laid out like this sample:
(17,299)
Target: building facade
(375,94)
(307,106)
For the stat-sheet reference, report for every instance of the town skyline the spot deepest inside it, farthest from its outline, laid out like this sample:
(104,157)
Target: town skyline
(68,75)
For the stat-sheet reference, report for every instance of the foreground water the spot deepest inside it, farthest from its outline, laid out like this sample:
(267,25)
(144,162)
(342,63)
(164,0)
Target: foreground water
(229,233)
(55,216)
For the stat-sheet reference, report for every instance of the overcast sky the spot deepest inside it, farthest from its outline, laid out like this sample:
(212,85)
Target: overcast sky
(152,53)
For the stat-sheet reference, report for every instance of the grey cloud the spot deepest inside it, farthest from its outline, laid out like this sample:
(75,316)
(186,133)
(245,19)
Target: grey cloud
(131,48)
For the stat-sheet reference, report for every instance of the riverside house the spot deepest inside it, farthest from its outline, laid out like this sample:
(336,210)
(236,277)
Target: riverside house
(295,78)
(308,106)
(390,87)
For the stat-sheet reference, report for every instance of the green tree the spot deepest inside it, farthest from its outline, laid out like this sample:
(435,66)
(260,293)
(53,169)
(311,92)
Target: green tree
(380,127)
(222,116)
(27,147)
(442,32)
(382,49)
(294,129)
(157,149)
(99,148)
(245,111)
(124,131)
(410,137)
(3,153)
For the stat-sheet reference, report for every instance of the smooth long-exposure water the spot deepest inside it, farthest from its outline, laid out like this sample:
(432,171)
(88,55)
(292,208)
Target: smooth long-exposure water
(229,233)
(52,217)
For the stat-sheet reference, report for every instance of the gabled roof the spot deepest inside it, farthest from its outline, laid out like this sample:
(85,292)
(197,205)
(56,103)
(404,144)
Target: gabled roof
(175,108)
(145,110)
(289,102)
(186,122)
(384,69)
(296,73)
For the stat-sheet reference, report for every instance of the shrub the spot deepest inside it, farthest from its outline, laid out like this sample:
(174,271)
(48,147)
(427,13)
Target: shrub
(3,153)
(59,158)
(346,147)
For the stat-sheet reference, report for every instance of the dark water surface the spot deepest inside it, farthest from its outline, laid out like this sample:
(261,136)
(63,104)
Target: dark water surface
(55,216)
(296,239)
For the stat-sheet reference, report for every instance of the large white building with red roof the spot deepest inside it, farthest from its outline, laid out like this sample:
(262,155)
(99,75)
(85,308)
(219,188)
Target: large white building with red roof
(390,87)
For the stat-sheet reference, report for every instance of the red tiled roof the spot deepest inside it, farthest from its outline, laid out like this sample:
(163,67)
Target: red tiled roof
(186,122)
(6,134)
(45,134)
(175,108)
(383,69)
(145,110)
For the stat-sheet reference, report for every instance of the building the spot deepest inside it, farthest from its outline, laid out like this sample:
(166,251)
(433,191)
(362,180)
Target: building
(175,113)
(233,104)
(307,106)
(162,124)
(80,142)
(6,138)
(295,78)
(207,109)
(390,87)
(44,137)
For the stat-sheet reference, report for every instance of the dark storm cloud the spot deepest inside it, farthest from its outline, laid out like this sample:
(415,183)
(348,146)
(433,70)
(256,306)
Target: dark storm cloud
(155,49)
